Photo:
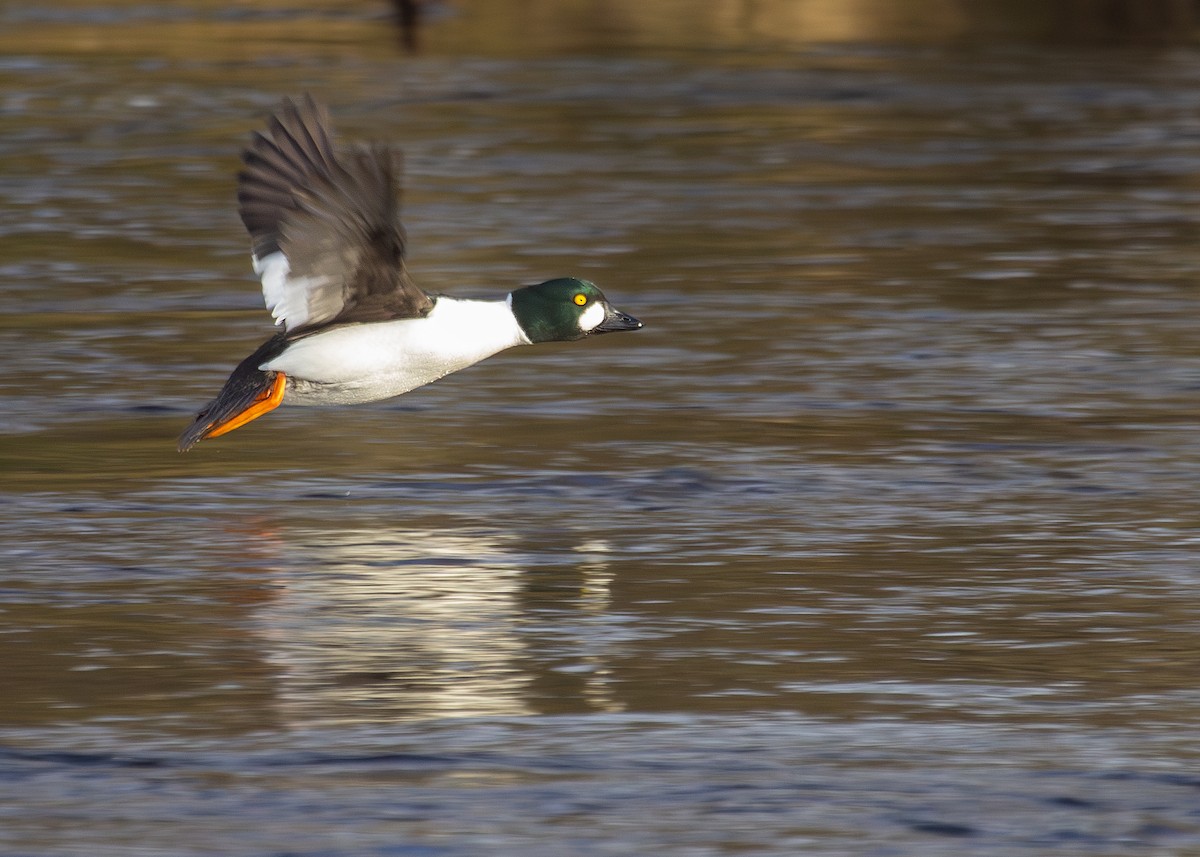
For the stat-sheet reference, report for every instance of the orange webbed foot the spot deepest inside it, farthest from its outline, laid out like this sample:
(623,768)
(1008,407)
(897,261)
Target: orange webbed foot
(267,401)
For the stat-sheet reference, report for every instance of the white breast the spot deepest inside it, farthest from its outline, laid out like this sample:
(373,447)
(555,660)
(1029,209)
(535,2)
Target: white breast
(368,362)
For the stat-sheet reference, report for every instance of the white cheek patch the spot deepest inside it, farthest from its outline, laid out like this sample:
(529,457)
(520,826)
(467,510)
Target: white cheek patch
(591,317)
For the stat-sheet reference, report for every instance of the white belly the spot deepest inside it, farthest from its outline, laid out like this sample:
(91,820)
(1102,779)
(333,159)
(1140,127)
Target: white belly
(369,362)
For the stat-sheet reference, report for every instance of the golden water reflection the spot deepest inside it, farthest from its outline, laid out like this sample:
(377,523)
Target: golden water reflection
(424,623)
(509,27)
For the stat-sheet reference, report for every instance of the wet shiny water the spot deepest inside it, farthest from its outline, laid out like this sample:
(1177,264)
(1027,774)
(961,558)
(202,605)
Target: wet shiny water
(880,539)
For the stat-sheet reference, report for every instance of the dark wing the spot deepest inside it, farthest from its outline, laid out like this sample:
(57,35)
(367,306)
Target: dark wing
(325,225)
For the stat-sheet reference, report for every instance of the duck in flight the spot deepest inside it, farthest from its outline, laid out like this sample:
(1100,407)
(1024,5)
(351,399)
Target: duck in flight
(329,247)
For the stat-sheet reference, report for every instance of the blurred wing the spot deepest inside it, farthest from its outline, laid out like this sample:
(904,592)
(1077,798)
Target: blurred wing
(325,226)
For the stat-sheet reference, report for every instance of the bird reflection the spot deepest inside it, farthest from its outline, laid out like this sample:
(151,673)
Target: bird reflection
(371,623)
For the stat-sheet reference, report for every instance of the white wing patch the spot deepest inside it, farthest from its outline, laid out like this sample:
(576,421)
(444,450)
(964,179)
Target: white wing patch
(286,296)
(591,317)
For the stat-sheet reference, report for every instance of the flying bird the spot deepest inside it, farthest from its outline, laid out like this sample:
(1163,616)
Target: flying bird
(329,247)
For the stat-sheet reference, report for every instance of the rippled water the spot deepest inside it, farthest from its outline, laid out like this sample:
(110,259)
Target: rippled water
(880,539)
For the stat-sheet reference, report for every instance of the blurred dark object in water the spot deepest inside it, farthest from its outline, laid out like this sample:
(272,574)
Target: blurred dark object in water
(408,14)
(1126,21)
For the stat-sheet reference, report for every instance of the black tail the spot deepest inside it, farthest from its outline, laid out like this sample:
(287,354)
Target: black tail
(245,385)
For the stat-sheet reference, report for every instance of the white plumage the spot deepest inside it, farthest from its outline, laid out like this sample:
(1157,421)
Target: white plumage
(366,362)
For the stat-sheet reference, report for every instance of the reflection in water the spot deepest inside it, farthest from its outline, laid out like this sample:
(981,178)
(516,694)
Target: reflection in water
(429,623)
(903,485)
(795,23)
(536,27)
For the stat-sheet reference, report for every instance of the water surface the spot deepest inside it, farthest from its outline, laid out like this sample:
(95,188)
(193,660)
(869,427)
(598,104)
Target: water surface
(879,539)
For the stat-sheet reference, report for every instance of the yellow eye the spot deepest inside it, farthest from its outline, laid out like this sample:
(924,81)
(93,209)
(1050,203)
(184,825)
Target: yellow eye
(580,299)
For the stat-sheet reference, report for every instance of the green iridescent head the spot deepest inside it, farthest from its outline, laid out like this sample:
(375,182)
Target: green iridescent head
(566,309)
